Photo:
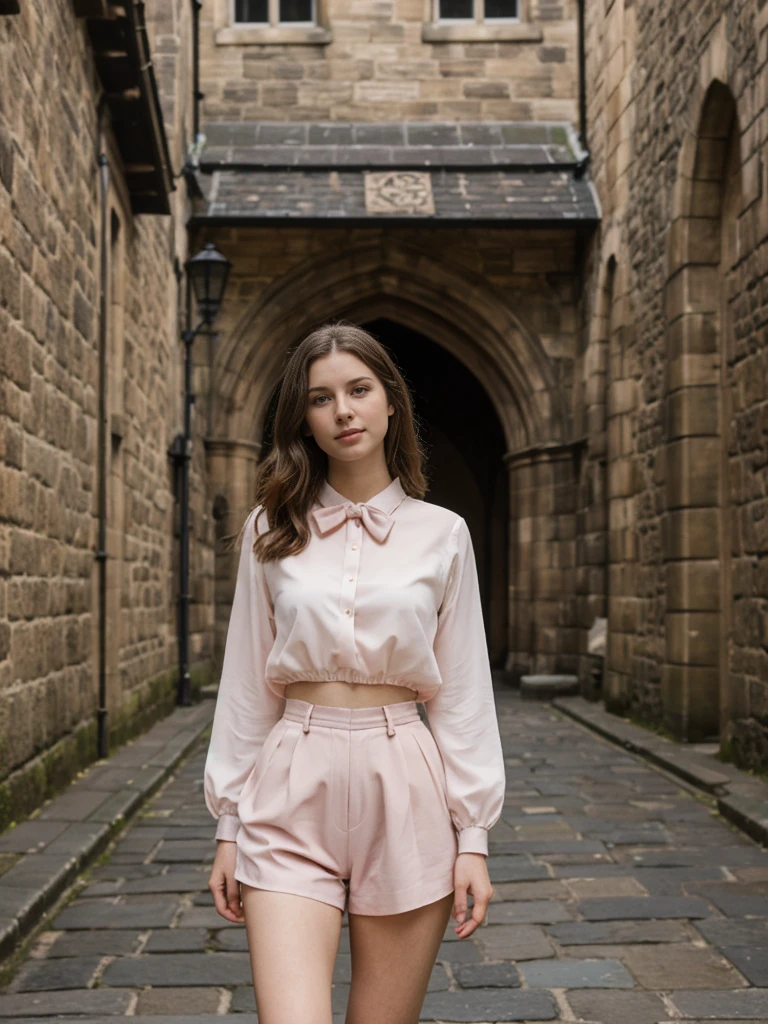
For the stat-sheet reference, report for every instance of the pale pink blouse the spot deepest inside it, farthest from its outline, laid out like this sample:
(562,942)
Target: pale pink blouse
(386,591)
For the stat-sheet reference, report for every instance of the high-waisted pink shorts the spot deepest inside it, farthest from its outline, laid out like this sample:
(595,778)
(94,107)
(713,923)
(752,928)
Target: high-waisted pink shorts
(348,802)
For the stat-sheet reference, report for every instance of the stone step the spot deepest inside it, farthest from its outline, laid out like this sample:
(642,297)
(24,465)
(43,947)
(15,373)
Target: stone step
(546,687)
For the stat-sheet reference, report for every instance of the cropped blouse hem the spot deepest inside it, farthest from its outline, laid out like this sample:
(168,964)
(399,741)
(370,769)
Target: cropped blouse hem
(473,839)
(346,675)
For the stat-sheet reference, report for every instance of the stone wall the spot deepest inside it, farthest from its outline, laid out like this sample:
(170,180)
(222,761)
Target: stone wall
(49,322)
(675,368)
(379,62)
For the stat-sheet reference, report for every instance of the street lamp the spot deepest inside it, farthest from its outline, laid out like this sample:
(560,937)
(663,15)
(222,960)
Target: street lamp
(207,274)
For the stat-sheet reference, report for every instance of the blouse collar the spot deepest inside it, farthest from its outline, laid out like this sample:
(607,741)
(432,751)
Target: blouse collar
(386,500)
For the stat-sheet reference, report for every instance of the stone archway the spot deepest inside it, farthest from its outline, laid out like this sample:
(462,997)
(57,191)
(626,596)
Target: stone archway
(701,253)
(472,321)
(388,279)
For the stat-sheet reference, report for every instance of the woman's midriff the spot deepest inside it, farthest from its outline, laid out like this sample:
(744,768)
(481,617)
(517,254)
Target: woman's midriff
(339,694)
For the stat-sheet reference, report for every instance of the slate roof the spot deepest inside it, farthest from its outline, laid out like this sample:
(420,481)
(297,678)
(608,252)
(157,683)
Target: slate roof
(320,172)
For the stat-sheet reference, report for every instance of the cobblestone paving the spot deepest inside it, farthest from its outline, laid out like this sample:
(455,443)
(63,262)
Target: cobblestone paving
(620,898)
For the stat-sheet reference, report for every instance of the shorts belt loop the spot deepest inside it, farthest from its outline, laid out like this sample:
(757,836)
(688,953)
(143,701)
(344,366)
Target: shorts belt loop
(390,723)
(305,726)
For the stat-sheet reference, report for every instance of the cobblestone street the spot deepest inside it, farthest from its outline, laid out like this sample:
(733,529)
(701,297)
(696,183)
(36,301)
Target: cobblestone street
(619,898)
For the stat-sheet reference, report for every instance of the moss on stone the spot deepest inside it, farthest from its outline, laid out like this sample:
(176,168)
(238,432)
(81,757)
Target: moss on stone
(49,774)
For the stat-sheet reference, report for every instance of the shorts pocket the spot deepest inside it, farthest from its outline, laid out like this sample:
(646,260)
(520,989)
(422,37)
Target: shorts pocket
(431,753)
(263,758)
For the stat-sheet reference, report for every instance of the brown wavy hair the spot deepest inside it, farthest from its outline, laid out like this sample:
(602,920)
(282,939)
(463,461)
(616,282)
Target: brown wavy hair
(290,477)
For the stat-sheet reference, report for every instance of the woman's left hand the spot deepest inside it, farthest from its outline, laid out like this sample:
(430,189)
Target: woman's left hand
(470,873)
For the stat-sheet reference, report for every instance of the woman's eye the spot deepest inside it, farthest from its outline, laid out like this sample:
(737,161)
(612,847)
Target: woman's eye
(360,387)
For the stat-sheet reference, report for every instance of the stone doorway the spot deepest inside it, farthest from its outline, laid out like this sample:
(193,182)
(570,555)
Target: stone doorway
(465,443)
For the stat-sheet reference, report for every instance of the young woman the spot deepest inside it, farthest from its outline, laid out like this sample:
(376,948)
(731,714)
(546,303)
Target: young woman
(355,599)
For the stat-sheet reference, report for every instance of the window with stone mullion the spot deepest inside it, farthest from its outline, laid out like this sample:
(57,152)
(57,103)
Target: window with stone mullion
(274,12)
(478,11)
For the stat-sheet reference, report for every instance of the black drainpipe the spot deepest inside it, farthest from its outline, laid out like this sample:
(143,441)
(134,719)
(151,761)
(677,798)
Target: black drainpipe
(581,166)
(196,94)
(101,553)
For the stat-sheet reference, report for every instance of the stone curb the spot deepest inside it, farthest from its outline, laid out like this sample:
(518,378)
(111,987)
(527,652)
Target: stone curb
(740,797)
(72,829)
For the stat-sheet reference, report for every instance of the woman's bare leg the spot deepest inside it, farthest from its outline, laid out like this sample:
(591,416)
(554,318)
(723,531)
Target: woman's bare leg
(392,959)
(293,941)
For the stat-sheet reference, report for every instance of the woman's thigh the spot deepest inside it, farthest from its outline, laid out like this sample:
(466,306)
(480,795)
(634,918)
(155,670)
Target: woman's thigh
(293,941)
(392,960)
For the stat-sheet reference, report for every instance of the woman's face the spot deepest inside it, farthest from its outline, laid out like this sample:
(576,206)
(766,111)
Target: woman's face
(345,394)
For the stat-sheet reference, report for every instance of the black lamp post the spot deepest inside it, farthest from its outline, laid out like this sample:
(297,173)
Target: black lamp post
(207,273)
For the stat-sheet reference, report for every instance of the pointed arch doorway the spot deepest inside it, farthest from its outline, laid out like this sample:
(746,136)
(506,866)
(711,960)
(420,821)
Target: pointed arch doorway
(465,444)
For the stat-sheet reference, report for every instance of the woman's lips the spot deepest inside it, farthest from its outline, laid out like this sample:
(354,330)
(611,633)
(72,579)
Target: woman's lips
(350,437)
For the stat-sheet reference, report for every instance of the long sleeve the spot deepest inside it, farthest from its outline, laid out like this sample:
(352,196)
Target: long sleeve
(462,714)
(246,709)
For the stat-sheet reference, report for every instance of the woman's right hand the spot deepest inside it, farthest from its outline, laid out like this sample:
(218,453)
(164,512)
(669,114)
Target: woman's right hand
(223,884)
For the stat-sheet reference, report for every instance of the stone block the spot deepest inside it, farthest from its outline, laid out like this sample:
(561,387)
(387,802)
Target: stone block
(693,289)
(731,933)
(693,334)
(75,804)
(66,1002)
(694,240)
(178,1002)
(176,940)
(568,974)
(687,715)
(691,585)
(608,932)
(182,851)
(513,942)
(693,472)
(527,912)
(172,881)
(514,869)
(486,975)
(670,966)
(544,687)
(179,969)
(617,1005)
(489,1005)
(99,942)
(691,533)
(710,1004)
(693,411)
(693,638)
(753,963)
(735,899)
(30,836)
(693,370)
(57,973)
(85,914)
(644,907)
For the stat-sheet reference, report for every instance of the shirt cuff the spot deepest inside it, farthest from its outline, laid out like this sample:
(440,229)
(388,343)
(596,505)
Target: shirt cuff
(227,827)
(473,839)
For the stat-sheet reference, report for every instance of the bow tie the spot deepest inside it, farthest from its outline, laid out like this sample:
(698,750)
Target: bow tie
(376,522)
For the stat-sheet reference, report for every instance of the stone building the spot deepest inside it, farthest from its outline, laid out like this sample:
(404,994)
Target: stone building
(91,237)
(573,288)
(672,505)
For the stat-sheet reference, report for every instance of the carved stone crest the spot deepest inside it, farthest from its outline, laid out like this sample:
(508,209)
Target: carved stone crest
(402,192)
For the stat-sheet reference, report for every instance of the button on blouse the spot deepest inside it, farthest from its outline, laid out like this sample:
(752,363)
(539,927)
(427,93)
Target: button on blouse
(386,591)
